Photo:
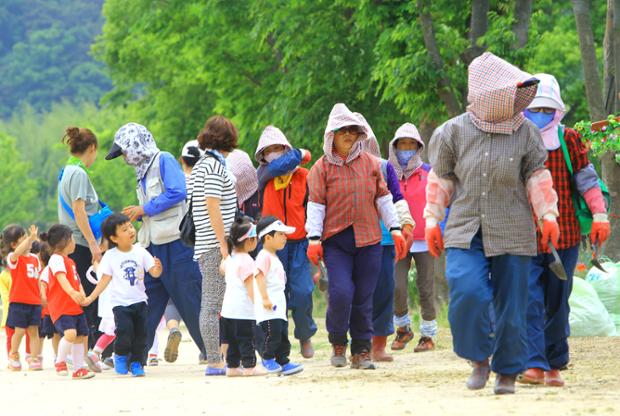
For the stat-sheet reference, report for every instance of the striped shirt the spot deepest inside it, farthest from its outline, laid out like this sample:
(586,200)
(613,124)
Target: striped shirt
(349,193)
(489,171)
(210,178)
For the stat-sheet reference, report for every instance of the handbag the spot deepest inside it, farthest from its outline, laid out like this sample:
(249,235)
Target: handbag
(187,227)
(583,213)
(96,220)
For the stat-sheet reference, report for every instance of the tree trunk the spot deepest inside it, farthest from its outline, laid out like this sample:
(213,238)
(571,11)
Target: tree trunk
(592,78)
(478,26)
(611,169)
(521,27)
(609,86)
(444,91)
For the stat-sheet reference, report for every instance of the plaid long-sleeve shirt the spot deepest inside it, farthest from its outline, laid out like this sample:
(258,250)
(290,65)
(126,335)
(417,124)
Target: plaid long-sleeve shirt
(348,193)
(570,233)
(489,171)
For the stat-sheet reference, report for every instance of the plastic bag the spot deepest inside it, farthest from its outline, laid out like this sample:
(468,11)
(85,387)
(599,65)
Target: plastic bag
(607,286)
(588,316)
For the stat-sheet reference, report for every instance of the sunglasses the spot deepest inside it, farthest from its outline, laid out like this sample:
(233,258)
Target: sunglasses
(348,129)
(542,110)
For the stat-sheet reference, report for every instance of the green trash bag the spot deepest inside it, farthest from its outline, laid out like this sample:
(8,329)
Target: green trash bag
(607,286)
(588,316)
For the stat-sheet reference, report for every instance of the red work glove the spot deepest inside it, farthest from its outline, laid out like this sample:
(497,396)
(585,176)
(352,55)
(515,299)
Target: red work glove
(315,252)
(400,245)
(550,233)
(434,240)
(600,232)
(408,235)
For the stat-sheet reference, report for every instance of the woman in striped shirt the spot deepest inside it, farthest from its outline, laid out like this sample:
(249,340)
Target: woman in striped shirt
(214,204)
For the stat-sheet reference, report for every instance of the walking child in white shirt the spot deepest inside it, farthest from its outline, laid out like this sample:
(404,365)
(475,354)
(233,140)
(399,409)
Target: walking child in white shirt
(237,320)
(122,268)
(269,297)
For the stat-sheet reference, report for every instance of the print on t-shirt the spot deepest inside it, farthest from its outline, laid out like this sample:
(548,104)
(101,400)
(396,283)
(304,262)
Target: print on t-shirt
(130,271)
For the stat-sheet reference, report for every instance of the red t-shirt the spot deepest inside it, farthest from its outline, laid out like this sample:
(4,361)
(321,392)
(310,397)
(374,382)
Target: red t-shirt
(25,280)
(59,302)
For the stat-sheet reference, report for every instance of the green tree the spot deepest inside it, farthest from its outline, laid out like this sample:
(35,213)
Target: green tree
(17,191)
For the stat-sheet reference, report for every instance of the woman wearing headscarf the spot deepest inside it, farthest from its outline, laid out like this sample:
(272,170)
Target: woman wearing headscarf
(347,195)
(160,185)
(246,182)
(547,311)
(489,165)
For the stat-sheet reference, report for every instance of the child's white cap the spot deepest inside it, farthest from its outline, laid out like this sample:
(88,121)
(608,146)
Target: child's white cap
(186,149)
(276,226)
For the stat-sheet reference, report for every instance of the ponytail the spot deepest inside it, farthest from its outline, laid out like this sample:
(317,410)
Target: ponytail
(79,140)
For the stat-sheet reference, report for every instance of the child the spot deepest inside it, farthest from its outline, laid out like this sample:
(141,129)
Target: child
(405,150)
(285,198)
(269,297)
(24,298)
(104,310)
(65,294)
(123,265)
(46,329)
(237,308)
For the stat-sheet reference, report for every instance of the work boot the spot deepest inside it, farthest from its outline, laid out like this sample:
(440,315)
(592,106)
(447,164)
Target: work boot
(553,378)
(404,334)
(425,344)
(361,361)
(504,384)
(378,349)
(307,351)
(339,355)
(479,375)
(532,376)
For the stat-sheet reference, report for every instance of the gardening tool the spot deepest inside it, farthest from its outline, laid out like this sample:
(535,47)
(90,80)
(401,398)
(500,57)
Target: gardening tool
(556,266)
(594,261)
(323,280)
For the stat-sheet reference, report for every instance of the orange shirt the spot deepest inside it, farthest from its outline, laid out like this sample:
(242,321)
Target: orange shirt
(59,302)
(288,204)
(25,280)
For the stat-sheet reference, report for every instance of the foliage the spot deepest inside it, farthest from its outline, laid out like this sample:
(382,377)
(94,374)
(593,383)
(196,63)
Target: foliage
(44,57)
(16,197)
(603,140)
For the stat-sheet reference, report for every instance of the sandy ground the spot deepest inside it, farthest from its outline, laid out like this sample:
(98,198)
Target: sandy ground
(429,383)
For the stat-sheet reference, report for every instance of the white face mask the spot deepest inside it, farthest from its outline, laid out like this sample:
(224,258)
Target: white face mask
(273,156)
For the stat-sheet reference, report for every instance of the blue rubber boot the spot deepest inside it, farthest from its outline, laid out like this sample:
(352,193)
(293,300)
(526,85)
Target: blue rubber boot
(136,369)
(120,364)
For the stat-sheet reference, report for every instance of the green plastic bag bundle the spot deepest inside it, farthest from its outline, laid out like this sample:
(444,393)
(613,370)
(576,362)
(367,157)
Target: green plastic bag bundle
(588,316)
(607,286)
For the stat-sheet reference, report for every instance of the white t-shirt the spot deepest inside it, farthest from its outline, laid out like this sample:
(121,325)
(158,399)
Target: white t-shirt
(45,275)
(237,304)
(275,280)
(127,270)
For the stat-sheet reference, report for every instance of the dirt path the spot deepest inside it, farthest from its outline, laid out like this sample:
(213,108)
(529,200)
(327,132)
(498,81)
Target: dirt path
(431,383)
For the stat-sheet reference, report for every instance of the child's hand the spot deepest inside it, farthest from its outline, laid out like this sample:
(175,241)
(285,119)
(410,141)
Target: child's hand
(87,301)
(267,304)
(157,268)
(158,264)
(44,302)
(77,297)
(34,232)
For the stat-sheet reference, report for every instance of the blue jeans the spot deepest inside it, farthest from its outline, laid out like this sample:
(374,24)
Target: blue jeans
(383,299)
(475,282)
(180,281)
(299,287)
(547,311)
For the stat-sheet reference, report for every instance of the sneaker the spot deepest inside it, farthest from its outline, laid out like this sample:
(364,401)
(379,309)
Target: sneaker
(136,369)
(61,369)
(14,363)
(403,336)
(306,349)
(172,346)
(272,366)
(215,371)
(82,374)
(93,361)
(255,371)
(362,361)
(425,344)
(234,372)
(339,355)
(34,364)
(153,361)
(290,368)
(107,364)
(120,364)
